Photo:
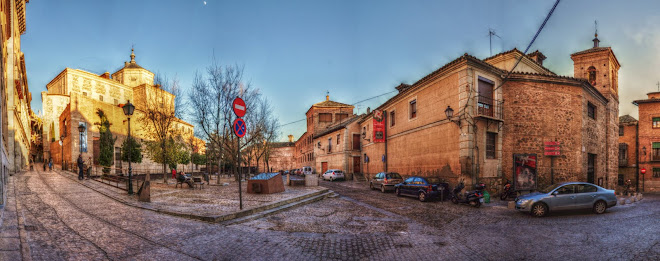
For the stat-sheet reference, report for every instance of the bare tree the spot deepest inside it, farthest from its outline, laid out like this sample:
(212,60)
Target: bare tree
(210,100)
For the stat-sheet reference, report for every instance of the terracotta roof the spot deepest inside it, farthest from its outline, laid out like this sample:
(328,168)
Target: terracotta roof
(132,65)
(282,144)
(580,81)
(593,50)
(338,126)
(402,87)
(637,102)
(330,103)
(627,119)
(527,55)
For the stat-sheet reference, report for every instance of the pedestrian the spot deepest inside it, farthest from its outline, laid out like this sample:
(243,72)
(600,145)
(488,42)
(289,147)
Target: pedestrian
(89,167)
(173,173)
(80,167)
(50,164)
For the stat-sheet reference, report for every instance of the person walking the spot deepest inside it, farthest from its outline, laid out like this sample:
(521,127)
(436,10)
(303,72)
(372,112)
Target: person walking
(50,164)
(80,167)
(173,173)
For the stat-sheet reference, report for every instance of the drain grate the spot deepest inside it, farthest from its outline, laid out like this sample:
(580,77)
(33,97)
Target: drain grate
(30,227)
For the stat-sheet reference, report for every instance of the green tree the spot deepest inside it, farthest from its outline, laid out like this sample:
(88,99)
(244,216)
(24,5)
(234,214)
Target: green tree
(171,155)
(198,159)
(107,142)
(132,148)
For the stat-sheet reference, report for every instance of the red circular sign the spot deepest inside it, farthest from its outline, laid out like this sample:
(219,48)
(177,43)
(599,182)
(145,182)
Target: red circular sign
(643,171)
(239,127)
(239,107)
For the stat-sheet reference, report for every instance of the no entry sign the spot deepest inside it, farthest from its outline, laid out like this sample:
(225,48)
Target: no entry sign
(239,127)
(239,107)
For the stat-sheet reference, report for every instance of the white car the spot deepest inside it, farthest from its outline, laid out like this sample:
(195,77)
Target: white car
(333,174)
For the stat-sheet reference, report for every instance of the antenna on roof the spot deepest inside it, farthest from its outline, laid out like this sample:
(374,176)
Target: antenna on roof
(492,33)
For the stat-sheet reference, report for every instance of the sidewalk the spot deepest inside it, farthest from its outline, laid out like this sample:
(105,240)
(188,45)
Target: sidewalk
(212,203)
(13,239)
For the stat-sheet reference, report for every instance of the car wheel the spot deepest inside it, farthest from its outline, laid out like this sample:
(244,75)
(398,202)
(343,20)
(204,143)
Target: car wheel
(539,209)
(382,188)
(504,196)
(422,196)
(397,192)
(371,186)
(477,204)
(600,207)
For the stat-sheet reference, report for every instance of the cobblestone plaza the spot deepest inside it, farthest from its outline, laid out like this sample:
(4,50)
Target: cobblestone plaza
(52,217)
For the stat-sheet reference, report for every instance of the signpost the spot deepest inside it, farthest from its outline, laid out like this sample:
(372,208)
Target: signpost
(240,129)
(552,149)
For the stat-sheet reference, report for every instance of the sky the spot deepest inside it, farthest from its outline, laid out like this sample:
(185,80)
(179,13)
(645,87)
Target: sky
(296,51)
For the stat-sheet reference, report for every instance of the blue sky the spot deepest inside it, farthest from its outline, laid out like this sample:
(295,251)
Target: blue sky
(295,51)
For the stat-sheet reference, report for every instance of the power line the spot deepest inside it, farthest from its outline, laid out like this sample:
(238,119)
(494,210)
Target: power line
(529,45)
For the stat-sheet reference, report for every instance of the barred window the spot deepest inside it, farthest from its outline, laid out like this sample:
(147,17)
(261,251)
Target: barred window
(656,172)
(413,109)
(491,141)
(591,111)
(656,122)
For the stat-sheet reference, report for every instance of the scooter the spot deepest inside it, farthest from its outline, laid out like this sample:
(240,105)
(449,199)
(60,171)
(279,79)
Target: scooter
(508,191)
(473,198)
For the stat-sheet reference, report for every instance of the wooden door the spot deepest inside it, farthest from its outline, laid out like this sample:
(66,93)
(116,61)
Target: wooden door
(356,141)
(324,167)
(356,164)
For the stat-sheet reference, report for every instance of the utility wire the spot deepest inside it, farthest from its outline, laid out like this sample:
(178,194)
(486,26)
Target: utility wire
(370,98)
(529,45)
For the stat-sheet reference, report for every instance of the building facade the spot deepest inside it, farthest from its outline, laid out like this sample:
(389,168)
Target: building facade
(73,98)
(649,142)
(338,147)
(550,129)
(15,95)
(628,152)
(319,117)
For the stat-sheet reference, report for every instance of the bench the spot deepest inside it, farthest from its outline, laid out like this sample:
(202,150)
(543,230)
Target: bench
(198,182)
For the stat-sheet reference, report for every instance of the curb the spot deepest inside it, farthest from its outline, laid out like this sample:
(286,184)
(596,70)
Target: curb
(212,218)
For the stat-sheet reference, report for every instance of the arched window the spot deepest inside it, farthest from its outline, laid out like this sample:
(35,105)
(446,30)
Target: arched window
(592,75)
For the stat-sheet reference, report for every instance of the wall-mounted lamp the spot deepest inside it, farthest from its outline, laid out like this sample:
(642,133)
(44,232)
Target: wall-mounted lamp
(449,112)
(364,137)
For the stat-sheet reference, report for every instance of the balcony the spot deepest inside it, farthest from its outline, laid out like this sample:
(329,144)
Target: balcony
(489,108)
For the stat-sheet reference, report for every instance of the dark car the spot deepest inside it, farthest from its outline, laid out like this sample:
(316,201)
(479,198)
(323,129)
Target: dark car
(422,188)
(385,181)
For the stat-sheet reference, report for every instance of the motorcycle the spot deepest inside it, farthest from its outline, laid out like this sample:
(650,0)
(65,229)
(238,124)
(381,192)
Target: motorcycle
(508,191)
(473,198)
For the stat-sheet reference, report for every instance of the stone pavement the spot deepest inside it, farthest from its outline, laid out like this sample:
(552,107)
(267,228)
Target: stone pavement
(210,203)
(64,220)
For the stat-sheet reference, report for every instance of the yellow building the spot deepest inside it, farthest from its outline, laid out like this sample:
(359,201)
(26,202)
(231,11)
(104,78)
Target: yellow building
(73,98)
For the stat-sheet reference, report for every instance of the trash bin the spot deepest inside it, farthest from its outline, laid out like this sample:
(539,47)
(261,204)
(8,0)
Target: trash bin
(486,197)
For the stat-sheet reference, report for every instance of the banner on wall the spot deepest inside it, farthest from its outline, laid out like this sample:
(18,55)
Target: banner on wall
(524,171)
(379,126)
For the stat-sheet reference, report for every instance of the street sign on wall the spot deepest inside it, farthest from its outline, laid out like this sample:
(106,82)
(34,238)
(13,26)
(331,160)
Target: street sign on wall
(552,148)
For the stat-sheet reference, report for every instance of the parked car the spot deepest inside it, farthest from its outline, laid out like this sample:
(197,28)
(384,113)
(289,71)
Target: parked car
(567,196)
(385,181)
(307,170)
(298,172)
(422,188)
(333,174)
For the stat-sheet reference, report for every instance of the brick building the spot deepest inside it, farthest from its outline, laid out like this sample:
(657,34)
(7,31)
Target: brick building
(319,116)
(628,152)
(500,125)
(338,147)
(649,141)
(73,98)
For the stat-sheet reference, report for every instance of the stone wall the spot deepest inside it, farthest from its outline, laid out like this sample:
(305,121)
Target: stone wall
(647,136)
(629,169)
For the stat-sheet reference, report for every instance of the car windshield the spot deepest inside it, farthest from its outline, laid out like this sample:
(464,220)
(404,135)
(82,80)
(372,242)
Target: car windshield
(433,180)
(549,188)
(393,175)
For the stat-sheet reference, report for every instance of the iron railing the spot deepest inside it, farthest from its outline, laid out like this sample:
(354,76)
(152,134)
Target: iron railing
(487,106)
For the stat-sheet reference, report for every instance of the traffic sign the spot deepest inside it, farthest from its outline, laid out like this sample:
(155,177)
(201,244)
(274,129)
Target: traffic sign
(643,170)
(551,153)
(239,107)
(239,127)
(552,143)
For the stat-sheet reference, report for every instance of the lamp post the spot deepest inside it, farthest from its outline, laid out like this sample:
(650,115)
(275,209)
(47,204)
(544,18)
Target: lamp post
(128,111)
(62,155)
(81,129)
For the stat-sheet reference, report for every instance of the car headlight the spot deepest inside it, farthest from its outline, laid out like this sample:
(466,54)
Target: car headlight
(523,201)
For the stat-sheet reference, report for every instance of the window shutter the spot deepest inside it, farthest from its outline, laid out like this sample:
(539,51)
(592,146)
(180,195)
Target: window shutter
(656,145)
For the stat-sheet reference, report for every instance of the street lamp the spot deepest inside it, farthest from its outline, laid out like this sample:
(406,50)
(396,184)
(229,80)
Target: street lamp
(128,111)
(62,155)
(81,129)
(449,112)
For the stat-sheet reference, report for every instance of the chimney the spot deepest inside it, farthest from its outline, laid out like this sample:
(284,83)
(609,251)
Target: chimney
(537,56)
(327,97)
(105,75)
(368,110)
(290,138)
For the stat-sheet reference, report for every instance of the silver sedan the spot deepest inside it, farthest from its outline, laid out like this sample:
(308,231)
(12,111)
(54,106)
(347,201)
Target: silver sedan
(567,196)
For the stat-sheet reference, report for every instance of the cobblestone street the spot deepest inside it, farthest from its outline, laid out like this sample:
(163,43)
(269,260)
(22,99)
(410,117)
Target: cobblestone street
(64,220)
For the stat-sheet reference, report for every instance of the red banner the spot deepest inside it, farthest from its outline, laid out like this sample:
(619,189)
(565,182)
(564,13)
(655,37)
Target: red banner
(551,153)
(379,126)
